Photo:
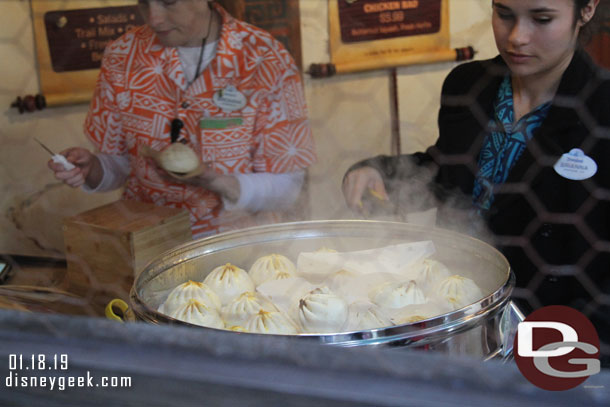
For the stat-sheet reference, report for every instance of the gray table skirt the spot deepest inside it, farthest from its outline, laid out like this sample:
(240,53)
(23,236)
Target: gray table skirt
(181,366)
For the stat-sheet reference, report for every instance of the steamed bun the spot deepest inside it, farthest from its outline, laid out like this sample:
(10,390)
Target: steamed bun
(429,272)
(187,291)
(178,158)
(228,282)
(241,308)
(273,322)
(321,311)
(196,313)
(459,291)
(397,295)
(271,267)
(365,315)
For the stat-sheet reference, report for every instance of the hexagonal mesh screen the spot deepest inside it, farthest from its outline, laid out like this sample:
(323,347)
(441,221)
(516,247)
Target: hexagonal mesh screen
(558,239)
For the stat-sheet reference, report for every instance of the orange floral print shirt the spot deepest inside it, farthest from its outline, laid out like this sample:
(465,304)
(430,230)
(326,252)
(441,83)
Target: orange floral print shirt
(142,88)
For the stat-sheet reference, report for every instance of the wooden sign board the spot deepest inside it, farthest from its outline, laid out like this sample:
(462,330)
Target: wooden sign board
(70,39)
(382,32)
(279,17)
(71,36)
(388,19)
(77,38)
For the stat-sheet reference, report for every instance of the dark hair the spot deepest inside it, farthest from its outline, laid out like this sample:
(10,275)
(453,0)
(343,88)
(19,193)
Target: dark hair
(592,27)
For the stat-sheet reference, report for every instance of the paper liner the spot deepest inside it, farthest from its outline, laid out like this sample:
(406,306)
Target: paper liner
(316,266)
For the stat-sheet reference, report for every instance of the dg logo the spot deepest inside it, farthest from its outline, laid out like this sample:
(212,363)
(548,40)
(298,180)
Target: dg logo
(557,348)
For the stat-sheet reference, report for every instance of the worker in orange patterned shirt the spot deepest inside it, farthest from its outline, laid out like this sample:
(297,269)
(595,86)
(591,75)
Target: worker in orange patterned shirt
(228,90)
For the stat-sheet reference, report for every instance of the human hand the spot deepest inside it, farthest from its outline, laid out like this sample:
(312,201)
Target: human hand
(208,178)
(224,184)
(83,160)
(361,181)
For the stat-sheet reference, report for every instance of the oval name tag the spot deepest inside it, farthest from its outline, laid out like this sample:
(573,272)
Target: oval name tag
(229,99)
(575,165)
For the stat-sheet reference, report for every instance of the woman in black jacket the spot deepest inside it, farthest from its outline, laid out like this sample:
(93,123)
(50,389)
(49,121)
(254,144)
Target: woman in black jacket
(525,138)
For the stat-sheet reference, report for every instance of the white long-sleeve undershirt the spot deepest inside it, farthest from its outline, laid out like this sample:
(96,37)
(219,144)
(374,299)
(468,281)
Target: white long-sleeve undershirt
(258,191)
(115,170)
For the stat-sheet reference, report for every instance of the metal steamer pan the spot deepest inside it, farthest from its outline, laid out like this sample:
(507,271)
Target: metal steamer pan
(484,329)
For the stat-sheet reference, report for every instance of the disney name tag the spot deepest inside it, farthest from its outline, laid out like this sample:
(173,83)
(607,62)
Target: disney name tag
(229,99)
(575,165)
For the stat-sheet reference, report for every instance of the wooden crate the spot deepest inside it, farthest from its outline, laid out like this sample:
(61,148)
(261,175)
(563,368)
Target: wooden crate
(107,247)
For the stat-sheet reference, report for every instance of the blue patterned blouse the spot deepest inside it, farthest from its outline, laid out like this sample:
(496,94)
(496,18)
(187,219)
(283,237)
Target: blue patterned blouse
(504,144)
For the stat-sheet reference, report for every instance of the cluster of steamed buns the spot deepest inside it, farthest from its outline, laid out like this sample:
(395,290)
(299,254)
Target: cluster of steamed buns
(231,298)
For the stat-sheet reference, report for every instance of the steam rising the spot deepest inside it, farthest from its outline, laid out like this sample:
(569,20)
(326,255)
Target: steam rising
(415,197)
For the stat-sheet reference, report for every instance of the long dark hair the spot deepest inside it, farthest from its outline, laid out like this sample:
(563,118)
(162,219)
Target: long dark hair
(600,19)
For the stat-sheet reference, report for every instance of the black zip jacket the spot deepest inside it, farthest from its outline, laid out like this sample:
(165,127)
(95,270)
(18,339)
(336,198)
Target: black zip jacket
(555,232)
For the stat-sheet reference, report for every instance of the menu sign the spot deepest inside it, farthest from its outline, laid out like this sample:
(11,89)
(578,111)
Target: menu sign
(365,20)
(71,36)
(77,38)
(373,34)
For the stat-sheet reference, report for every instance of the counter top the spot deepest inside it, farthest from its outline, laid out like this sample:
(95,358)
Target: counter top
(49,274)
(182,366)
